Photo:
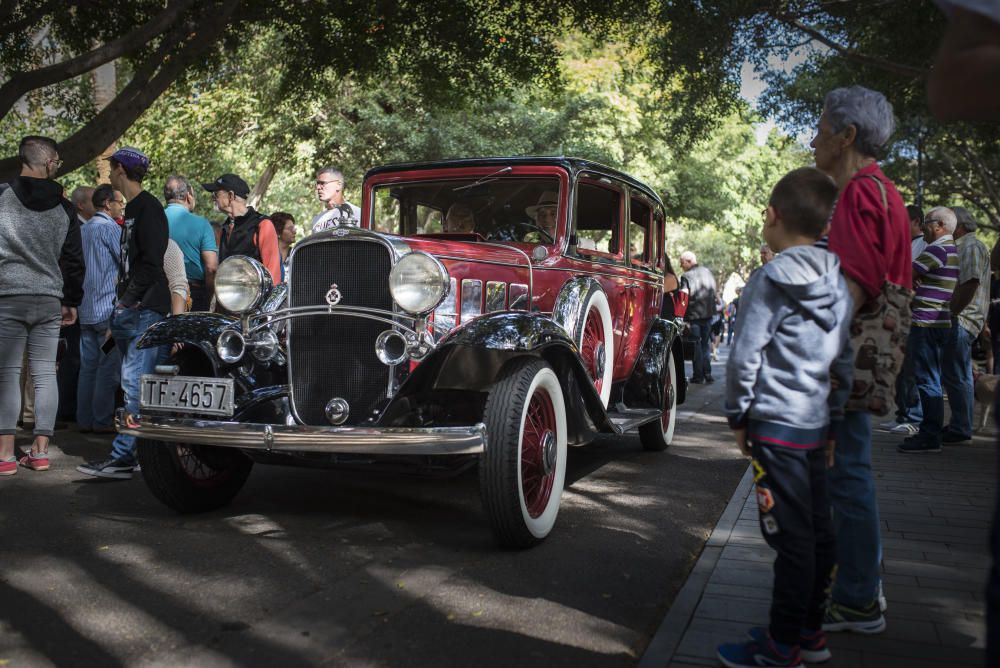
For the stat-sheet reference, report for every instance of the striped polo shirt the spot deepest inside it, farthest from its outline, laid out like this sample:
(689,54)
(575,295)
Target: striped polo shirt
(935,273)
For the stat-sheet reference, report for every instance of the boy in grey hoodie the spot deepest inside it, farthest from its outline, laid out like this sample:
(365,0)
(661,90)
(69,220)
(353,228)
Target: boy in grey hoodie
(790,349)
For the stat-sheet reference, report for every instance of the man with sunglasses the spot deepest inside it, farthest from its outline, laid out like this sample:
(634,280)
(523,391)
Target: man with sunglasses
(330,191)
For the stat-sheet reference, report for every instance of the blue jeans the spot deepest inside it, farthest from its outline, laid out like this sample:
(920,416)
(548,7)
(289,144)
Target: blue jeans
(702,363)
(908,408)
(956,376)
(851,487)
(135,362)
(927,345)
(95,394)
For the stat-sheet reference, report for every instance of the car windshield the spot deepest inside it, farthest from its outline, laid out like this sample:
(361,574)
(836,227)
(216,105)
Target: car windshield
(492,208)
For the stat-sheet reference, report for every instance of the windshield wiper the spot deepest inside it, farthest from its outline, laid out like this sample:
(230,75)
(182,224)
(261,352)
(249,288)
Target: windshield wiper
(485,179)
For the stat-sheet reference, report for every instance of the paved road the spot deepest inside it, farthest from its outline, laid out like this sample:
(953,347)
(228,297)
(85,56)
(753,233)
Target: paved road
(336,568)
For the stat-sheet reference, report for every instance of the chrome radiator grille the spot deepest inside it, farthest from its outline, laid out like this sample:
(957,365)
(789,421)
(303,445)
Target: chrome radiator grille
(334,355)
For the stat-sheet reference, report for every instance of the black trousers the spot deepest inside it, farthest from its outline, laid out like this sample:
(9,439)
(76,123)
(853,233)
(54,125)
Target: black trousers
(794,514)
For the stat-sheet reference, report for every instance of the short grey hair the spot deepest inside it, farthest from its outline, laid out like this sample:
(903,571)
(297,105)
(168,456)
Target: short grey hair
(867,110)
(81,194)
(176,187)
(332,171)
(945,216)
(965,218)
(689,256)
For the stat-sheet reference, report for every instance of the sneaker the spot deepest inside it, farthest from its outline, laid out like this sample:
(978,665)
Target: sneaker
(812,644)
(115,469)
(905,428)
(754,653)
(889,425)
(839,617)
(8,466)
(951,437)
(918,444)
(35,462)
(883,604)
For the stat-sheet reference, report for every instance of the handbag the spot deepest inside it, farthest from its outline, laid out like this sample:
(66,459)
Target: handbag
(878,338)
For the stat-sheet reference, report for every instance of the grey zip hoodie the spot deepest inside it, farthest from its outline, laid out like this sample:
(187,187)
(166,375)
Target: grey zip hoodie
(792,334)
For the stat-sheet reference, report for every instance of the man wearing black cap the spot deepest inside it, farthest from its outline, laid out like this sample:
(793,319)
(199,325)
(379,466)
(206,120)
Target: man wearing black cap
(243,232)
(143,299)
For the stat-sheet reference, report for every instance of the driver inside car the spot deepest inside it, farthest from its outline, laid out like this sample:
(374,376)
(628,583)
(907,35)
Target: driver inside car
(544,213)
(459,219)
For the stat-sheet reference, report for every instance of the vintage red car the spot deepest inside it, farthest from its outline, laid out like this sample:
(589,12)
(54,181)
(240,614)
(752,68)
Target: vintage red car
(486,311)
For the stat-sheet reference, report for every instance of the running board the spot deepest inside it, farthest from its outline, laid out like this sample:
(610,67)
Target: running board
(630,418)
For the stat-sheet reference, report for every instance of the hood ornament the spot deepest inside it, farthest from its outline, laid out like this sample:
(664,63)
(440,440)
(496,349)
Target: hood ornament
(333,295)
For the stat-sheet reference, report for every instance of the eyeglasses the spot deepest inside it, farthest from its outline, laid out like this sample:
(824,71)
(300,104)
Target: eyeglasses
(57,162)
(326,183)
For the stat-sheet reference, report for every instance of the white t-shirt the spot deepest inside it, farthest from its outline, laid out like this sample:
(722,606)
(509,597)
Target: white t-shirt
(345,214)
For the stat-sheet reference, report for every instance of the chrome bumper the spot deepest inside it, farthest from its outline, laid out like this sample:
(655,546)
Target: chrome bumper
(280,438)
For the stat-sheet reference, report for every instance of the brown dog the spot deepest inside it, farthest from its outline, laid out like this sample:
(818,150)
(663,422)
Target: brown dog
(985,391)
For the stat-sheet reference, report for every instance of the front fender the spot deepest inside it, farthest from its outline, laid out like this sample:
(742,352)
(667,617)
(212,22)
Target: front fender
(200,330)
(469,359)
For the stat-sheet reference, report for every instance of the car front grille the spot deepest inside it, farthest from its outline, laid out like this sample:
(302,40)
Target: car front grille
(334,355)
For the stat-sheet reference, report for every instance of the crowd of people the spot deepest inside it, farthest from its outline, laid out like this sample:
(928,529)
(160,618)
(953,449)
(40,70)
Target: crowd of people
(861,305)
(802,381)
(98,270)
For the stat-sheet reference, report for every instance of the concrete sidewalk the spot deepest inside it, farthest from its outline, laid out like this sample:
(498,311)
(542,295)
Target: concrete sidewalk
(935,512)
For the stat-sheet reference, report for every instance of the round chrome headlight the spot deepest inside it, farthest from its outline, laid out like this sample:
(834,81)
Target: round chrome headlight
(418,283)
(241,283)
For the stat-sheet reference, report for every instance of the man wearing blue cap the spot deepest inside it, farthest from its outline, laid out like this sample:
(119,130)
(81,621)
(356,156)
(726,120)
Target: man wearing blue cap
(143,299)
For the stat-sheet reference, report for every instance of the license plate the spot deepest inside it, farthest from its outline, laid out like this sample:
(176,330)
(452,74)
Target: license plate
(187,394)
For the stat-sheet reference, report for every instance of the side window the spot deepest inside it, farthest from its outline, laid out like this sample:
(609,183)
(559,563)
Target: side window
(598,218)
(640,223)
(386,217)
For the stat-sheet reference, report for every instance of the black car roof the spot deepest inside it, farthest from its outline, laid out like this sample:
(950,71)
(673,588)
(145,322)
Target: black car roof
(573,165)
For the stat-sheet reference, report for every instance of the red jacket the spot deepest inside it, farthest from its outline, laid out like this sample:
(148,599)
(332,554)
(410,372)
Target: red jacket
(871,251)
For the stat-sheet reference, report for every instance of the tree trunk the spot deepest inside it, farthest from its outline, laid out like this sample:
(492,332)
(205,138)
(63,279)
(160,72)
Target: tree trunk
(105,90)
(263,183)
(176,52)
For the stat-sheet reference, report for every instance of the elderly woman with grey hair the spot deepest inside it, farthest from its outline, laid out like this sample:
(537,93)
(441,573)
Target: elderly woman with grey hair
(870,234)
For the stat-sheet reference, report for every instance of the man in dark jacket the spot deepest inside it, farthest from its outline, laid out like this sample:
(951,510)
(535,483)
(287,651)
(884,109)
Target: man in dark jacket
(41,284)
(143,299)
(243,233)
(701,286)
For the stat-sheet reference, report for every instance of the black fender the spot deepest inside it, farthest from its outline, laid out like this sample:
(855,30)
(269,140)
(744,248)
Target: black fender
(467,361)
(200,330)
(644,388)
(256,382)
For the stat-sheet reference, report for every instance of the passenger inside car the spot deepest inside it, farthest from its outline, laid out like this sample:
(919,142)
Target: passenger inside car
(459,219)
